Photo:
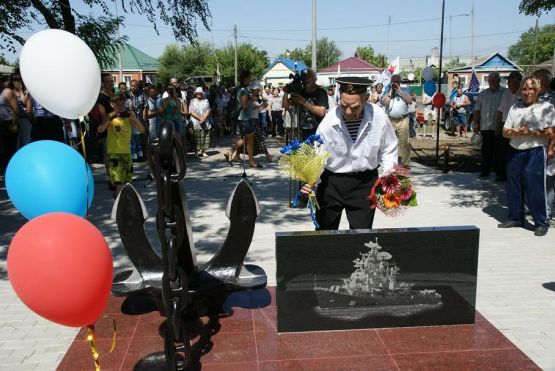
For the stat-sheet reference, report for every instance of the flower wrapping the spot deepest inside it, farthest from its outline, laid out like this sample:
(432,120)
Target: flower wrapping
(393,192)
(305,161)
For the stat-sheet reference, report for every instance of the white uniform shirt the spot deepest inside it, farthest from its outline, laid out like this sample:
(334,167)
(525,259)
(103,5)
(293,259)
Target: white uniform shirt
(537,116)
(376,141)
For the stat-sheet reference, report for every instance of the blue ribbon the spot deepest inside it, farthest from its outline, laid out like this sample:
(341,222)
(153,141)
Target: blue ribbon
(296,200)
(312,214)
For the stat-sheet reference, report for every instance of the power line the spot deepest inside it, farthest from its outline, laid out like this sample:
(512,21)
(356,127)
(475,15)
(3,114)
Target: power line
(167,27)
(353,27)
(379,41)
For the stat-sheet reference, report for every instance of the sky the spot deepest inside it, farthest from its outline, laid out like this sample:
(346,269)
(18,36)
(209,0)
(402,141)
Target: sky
(287,24)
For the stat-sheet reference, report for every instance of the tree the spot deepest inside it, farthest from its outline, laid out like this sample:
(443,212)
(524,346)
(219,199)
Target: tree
(296,54)
(249,57)
(199,59)
(4,61)
(522,52)
(99,32)
(327,53)
(454,63)
(367,53)
(535,7)
(184,61)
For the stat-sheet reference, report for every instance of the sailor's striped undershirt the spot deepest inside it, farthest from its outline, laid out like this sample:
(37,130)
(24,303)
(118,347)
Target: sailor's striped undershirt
(352,127)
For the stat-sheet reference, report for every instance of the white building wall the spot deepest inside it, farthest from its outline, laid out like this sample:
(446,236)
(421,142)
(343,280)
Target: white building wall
(277,75)
(328,78)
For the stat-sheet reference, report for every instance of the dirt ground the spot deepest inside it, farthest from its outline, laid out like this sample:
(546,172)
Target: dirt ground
(462,156)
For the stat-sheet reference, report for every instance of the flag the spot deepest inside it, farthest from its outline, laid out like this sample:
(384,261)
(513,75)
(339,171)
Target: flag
(391,70)
(474,86)
(336,92)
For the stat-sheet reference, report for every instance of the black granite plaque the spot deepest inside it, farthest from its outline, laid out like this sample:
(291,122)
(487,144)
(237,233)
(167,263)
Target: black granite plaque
(337,280)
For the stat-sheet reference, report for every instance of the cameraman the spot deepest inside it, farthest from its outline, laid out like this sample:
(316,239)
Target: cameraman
(312,101)
(396,103)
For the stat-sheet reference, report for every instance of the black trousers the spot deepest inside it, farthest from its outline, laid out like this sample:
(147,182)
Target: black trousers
(502,147)
(488,150)
(349,191)
(277,123)
(8,144)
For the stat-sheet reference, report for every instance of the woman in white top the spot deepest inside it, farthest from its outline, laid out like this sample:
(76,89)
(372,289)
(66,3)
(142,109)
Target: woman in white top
(199,108)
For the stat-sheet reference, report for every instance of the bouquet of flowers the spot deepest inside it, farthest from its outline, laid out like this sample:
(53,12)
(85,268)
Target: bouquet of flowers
(393,192)
(305,161)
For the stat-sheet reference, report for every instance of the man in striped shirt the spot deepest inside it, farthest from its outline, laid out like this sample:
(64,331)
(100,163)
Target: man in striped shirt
(360,138)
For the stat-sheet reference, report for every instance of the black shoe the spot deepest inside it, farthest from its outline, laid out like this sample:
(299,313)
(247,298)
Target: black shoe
(500,179)
(509,224)
(540,231)
(483,175)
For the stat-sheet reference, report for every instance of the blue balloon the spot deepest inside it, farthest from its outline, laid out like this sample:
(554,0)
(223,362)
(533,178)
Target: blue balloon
(430,87)
(47,176)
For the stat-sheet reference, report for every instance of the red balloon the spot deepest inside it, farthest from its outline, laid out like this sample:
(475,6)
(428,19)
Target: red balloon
(61,267)
(439,100)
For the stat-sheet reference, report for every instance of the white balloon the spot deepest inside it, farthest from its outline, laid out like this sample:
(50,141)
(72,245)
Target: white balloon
(410,76)
(61,73)
(428,73)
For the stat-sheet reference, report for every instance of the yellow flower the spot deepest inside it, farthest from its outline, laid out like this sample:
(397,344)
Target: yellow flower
(391,200)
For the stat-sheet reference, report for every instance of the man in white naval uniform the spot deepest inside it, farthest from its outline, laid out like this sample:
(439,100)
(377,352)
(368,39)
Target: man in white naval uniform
(360,138)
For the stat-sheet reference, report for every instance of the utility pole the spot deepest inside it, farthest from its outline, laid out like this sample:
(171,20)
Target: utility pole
(535,44)
(473,36)
(235,44)
(450,37)
(119,46)
(313,64)
(553,61)
(440,78)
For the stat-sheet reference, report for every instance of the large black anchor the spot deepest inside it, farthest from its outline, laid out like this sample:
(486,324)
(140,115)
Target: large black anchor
(180,287)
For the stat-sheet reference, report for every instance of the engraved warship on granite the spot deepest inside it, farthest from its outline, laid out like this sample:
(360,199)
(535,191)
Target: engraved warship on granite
(373,288)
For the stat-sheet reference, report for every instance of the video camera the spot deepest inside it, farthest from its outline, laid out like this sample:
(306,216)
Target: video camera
(296,86)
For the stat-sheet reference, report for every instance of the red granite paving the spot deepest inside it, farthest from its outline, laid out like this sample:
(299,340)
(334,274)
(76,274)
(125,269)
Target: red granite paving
(246,339)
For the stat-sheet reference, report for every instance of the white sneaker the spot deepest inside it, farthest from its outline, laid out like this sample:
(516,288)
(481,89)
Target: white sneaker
(204,154)
(134,156)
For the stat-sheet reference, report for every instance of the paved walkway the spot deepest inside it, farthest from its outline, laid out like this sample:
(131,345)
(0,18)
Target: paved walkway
(516,275)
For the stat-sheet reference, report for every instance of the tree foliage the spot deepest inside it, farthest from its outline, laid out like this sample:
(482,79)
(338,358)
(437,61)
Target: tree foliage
(99,32)
(249,57)
(296,54)
(454,63)
(522,52)
(327,53)
(4,61)
(200,60)
(367,53)
(535,7)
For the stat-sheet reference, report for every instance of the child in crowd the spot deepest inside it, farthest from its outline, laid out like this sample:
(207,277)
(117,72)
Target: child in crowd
(119,124)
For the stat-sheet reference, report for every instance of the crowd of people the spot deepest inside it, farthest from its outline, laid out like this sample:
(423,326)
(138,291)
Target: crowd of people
(515,125)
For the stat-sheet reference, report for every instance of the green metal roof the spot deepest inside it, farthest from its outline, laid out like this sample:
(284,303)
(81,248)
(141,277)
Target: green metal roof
(132,59)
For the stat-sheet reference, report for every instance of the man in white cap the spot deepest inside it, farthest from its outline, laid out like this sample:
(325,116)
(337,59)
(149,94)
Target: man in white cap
(360,138)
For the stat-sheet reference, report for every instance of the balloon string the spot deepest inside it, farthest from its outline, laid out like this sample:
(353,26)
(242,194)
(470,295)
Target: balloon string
(91,338)
(82,142)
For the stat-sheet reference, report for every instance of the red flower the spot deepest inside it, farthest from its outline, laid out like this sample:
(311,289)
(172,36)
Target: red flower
(390,183)
(406,193)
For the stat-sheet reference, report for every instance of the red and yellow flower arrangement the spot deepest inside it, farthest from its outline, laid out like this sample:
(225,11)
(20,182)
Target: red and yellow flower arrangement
(393,192)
